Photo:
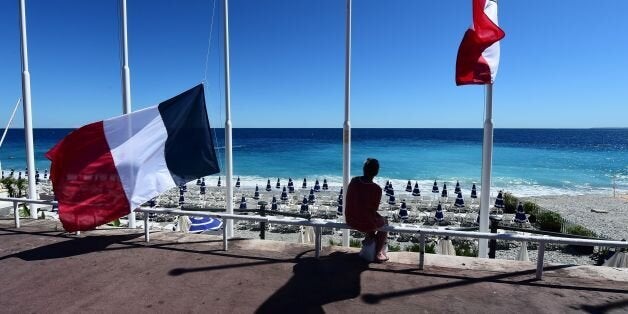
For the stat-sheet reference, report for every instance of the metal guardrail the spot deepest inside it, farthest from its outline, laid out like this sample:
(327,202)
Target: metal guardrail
(319,224)
(17,201)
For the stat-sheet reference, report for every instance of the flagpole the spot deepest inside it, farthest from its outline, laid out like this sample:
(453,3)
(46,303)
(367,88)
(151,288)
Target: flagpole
(346,142)
(126,81)
(228,136)
(487,163)
(28,119)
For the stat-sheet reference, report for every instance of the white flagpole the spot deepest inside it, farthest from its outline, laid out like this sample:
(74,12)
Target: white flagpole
(487,164)
(126,81)
(228,146)
(346,143)
(28,119)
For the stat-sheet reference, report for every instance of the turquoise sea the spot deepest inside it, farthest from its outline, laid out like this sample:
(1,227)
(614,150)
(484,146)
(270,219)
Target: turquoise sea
(525,161)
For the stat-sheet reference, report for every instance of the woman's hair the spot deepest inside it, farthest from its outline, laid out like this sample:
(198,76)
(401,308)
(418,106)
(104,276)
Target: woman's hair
(371,167)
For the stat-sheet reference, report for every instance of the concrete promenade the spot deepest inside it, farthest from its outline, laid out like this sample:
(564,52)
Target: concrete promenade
(44,270)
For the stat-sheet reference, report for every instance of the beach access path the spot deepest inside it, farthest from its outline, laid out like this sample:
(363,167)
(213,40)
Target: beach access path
(114,270)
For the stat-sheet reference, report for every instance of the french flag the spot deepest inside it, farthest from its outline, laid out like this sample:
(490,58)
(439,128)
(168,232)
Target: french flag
(102,171)
(478,54)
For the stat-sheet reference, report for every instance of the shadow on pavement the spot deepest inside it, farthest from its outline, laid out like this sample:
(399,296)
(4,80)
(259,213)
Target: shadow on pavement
(317,282)
(72,247)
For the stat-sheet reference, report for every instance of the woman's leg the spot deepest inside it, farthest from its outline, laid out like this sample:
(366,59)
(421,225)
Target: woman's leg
(380,239)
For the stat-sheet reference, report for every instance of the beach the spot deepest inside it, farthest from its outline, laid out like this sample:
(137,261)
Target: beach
(610,218)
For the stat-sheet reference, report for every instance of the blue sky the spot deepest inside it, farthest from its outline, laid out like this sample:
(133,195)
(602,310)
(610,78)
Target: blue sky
(563,63)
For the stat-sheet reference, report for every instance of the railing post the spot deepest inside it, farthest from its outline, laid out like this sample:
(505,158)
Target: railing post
(317,241)
(421,251)
(146,228)
(492,245)
(262,224)
(225,238)
(16,214)
(539,261)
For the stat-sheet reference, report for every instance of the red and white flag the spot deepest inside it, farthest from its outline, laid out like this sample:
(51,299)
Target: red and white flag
(104,170)
(478,54)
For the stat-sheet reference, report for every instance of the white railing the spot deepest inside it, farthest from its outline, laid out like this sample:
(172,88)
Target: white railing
(319,224)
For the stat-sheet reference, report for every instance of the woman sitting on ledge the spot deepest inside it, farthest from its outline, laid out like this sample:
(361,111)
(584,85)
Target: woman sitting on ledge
(363,198)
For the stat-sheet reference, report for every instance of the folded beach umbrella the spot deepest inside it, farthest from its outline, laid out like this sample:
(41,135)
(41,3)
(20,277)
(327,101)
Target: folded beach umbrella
(403,211)
(198,181)
(520,215)
(181,190)
(416,191)
(304,207)
(2,174)
(457,189)
(202,190)
(45,174)
(391,200)
(439,216)
(202,181)
(237,185)
(219,183)
(181,200)
(499,201)
(284,195)
(184,187)
(151,202)
(243,202)
(325,186)
(339,199)
(339,209)
(256,194)
(19,175)
(268,187)
(200,224)
(444,193)
(273,203)
(390,190)
(317,186)
(523,252)
(459,203)
(311,198)
(474,193)
(290,186)
(340,193)
(12,173)
(36,176)
(304,186)
(445,247)
(618,260)
(409,186)
(435,188)
(278,185)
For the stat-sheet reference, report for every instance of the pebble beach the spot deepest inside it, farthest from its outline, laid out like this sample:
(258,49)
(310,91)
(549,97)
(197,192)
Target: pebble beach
(604,214)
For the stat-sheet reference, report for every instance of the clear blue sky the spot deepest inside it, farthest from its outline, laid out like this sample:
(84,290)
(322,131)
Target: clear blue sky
(563,63)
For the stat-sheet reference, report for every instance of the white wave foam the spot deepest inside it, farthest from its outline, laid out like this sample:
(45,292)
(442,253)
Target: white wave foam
(518,187)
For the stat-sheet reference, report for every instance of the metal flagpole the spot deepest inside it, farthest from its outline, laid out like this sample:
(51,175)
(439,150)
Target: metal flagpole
(487,163)
(228,145)
(346,143)
(126,81)
(28,119)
